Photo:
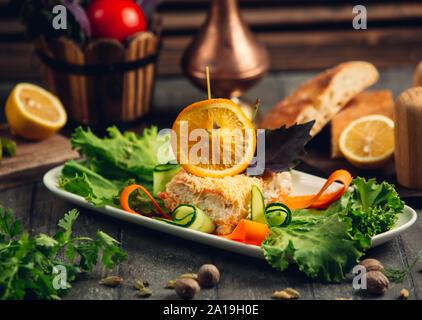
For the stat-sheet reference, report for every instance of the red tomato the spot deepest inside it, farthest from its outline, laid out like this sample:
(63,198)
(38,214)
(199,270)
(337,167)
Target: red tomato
(116,19)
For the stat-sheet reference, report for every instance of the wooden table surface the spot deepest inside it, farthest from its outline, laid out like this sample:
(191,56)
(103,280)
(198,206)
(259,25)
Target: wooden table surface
(158,257)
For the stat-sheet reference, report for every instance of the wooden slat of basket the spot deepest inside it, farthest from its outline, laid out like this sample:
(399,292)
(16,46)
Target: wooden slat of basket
(129,82)
(138,83)
(78,104)
(140,74)
(49,80)
(105,92)
(59,53)
(152,46)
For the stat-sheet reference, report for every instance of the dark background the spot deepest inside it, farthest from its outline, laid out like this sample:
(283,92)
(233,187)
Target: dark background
(300,34)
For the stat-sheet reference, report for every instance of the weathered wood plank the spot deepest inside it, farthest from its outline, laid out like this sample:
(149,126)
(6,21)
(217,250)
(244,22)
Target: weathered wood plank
(254,279)
(33,158)
(411,246)
(158,257)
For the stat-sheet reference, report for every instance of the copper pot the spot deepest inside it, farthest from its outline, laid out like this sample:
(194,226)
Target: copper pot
(224,43)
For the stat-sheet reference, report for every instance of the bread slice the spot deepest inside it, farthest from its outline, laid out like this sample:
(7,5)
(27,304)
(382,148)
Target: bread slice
(322,97)
(364,104)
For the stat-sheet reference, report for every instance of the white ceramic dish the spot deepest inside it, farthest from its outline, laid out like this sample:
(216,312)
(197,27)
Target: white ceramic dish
(303,183)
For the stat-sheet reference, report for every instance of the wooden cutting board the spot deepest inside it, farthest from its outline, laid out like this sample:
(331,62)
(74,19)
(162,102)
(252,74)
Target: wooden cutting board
(33,158)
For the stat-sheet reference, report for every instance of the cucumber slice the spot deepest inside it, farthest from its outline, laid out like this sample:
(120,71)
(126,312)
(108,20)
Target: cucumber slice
(257,205)
(278,215)
(191,217)
(162,175)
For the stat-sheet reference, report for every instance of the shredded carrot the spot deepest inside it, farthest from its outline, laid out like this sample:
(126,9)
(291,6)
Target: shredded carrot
(252,232)
(124,199)
(249,232)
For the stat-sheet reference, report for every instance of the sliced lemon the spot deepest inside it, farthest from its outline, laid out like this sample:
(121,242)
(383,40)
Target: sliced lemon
(34,113)
(368,142)
(213,138)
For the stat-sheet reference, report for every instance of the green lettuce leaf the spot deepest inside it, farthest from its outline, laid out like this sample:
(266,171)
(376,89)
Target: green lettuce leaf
(113,163)
(79,179)
(319,244)
(124,154)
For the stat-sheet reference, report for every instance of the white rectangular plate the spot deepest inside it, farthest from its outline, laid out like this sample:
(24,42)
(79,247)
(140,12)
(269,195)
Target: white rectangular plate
(303,183)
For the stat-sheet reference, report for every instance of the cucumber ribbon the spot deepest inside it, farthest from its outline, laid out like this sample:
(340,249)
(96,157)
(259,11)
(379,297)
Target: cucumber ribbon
(187,216)
(278,215)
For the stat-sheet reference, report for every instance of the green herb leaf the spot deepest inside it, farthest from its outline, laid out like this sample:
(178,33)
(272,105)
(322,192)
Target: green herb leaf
(398,275)
(27,265)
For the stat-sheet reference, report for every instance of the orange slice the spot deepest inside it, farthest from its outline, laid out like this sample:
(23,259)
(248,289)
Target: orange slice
(213,138)
(34,113)
(368,142)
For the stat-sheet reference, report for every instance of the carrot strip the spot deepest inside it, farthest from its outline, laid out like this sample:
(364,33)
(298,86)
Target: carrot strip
(124,199)
(321,200)
(249,232)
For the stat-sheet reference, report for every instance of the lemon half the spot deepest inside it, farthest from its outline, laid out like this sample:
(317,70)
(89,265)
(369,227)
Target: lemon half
(34,113)
(368,142)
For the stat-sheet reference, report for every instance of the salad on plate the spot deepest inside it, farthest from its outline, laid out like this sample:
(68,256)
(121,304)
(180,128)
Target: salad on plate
(213,172)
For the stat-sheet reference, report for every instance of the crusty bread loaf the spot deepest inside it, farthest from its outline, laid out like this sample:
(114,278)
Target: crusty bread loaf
(322,97)
(364,104)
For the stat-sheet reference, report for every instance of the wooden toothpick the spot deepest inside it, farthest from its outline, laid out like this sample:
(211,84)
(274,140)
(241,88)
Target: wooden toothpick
(208,82)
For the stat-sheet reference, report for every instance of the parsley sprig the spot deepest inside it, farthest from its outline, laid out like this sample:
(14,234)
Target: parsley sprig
(27,264)
(398,275)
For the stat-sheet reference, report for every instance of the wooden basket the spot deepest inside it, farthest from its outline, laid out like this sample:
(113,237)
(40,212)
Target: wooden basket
(107,81)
